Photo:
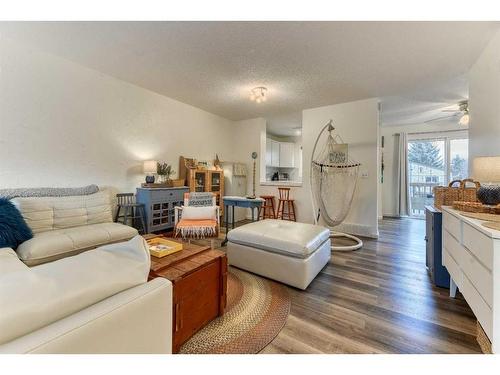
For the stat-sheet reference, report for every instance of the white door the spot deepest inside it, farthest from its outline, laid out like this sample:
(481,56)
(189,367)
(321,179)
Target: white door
(286,154)
(275,154)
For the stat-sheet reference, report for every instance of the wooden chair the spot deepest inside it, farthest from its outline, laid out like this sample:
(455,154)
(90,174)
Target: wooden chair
(267,210)
(132,211)
(196,228)
(286,206)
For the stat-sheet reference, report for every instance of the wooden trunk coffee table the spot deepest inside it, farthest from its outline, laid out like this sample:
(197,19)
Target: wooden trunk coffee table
(199,278)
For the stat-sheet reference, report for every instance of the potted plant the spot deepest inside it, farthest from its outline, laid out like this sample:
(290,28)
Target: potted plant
(165,171)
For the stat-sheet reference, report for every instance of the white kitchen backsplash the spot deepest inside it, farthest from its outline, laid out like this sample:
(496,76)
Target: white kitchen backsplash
(293,174)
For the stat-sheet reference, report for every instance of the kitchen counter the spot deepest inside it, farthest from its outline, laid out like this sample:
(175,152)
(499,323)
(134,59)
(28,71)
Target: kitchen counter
(281,183)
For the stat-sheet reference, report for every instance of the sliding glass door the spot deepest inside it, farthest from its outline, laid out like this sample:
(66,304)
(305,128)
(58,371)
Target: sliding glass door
(434,160)
(459,159)
(426,167)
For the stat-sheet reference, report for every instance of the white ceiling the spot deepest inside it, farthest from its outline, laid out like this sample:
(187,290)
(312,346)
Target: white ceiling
(213,65)
(425,104)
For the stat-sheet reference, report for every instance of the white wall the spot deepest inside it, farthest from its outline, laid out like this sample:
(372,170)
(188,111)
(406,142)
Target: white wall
(389,186)
(484,102)
(62,124)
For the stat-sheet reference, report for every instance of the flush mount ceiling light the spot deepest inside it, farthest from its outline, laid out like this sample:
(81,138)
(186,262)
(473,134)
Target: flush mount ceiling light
(258,94)
(464,108)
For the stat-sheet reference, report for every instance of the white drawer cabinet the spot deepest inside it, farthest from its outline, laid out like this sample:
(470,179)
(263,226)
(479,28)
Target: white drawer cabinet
(471,254)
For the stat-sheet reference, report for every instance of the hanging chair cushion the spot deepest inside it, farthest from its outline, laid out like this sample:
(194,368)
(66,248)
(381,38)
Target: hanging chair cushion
(289,238)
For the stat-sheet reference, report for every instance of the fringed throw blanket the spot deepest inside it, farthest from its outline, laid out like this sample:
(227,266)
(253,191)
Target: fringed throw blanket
(198,229)
(198,219)
(48,192)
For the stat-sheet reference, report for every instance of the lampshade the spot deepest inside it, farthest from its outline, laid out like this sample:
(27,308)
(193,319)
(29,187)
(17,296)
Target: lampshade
(150,166)
(486,169)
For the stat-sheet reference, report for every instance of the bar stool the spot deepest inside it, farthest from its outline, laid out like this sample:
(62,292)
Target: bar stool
(285,202)
(267,209)
(132,211)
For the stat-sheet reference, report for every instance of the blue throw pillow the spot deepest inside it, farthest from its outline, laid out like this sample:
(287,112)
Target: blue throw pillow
(13,228)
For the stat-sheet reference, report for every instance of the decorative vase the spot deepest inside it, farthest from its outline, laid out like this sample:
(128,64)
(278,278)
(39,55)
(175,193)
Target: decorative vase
(489,194)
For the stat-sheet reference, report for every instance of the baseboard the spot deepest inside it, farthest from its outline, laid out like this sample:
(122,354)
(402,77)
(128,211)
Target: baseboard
(358,230)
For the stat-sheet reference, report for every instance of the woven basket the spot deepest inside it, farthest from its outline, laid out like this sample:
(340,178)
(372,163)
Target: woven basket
(178,183)
(476,207)
(482,340)
(469,194)
(446,195)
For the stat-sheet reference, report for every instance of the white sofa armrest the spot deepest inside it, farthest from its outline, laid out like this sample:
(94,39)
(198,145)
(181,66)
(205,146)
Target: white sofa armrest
(137,320)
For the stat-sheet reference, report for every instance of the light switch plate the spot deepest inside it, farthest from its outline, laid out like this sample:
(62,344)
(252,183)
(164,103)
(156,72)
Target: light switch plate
(364,174)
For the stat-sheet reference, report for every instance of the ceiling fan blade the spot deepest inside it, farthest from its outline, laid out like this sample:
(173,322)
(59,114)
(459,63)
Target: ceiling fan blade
(438,118)
(450,110)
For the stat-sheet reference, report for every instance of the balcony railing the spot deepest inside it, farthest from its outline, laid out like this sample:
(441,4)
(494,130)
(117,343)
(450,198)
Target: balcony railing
(421,195)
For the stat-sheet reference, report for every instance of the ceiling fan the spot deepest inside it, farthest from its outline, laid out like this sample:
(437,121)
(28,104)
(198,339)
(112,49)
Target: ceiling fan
(461,109)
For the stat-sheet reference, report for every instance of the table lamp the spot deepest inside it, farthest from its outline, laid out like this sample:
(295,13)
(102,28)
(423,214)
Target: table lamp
(149,168)
(486,170)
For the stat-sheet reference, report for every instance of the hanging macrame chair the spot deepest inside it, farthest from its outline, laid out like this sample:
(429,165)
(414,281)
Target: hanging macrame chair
(333,182)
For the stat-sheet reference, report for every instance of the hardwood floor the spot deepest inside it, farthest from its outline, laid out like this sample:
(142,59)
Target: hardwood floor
(378,299)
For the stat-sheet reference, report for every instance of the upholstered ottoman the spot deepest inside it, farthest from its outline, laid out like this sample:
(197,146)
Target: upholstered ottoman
(290,252)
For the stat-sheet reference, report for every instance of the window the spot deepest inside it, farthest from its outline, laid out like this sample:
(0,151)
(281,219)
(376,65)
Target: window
(434,159)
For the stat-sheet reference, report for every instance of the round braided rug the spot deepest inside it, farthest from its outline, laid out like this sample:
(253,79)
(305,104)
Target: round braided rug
(256,312)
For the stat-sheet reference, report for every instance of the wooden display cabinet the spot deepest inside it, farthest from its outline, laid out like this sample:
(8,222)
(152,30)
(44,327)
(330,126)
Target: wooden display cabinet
(207,180)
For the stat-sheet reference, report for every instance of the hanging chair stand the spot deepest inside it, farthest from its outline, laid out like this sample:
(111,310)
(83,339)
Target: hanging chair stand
(339,167)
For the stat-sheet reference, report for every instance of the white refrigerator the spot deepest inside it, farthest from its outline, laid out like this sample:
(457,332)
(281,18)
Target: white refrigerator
(235,184)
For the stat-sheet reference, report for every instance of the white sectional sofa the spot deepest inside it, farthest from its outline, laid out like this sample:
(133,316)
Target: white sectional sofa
(97,301)
(64,226)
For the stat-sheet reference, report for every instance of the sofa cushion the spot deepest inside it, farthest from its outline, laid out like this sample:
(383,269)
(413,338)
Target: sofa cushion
(13,229)
(56,244)
(281,236)
(50,213)
(31,298)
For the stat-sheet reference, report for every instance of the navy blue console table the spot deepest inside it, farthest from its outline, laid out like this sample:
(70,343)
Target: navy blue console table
(252,203)
(434,248)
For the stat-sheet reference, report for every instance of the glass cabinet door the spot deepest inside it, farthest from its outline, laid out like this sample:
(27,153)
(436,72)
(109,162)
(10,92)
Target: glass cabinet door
(199,181)
(215,181)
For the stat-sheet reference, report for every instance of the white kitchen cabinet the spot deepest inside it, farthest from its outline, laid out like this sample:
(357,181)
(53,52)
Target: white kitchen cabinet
(269,152)
(286,151)
(275,153)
